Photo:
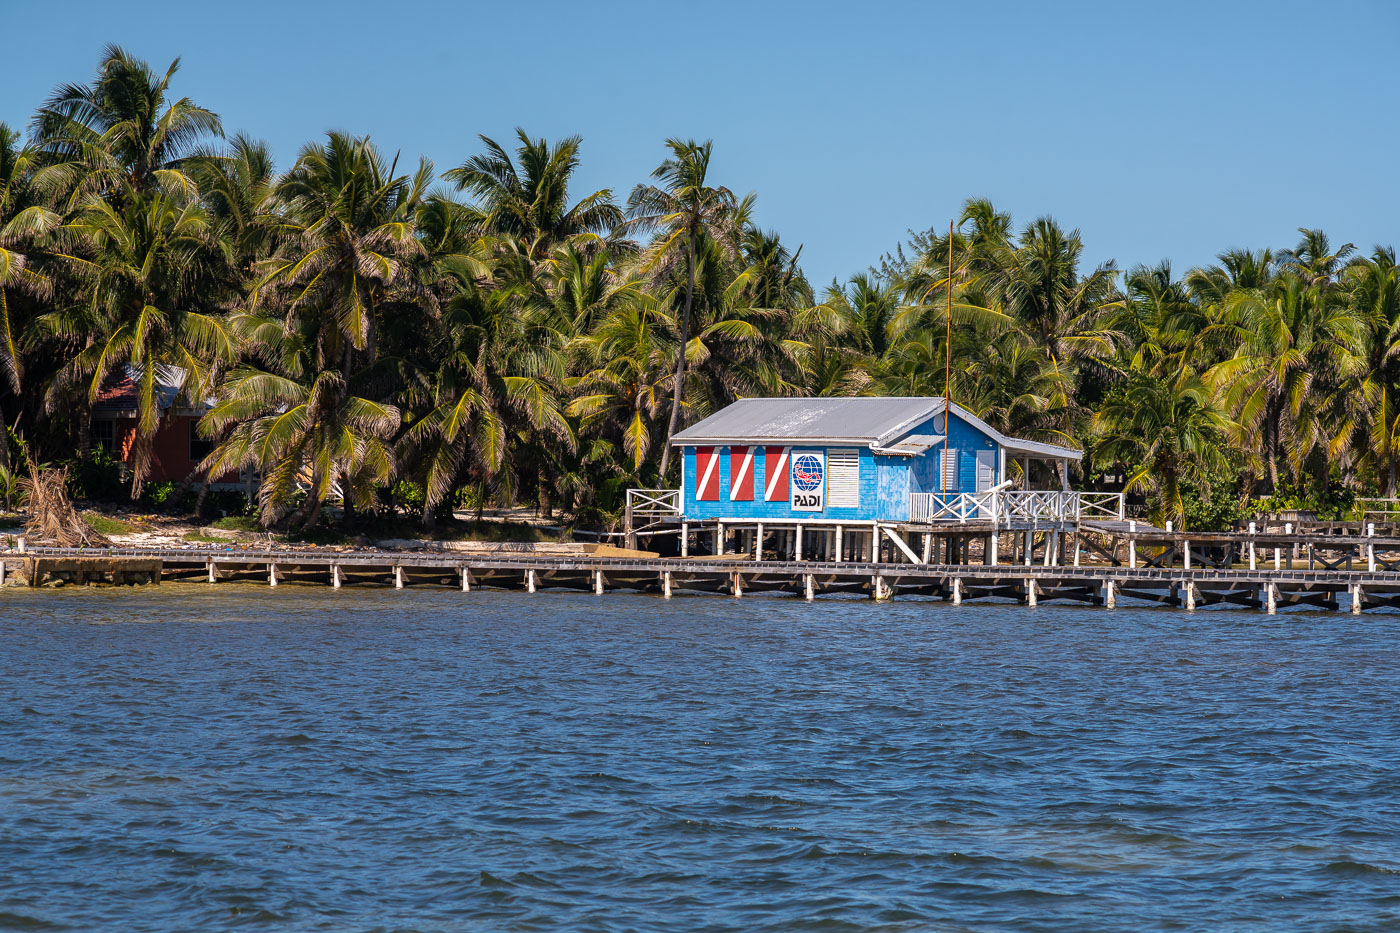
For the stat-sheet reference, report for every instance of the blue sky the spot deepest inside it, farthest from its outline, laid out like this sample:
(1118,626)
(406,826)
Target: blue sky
(1161,131)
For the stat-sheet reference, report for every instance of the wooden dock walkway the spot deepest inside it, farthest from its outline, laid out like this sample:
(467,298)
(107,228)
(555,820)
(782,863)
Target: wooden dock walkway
(1190,585)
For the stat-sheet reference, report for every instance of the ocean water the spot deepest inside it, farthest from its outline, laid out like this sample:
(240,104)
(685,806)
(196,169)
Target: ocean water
(226,758)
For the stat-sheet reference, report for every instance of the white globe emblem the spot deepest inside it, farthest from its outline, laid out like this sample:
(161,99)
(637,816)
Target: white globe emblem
(807,472)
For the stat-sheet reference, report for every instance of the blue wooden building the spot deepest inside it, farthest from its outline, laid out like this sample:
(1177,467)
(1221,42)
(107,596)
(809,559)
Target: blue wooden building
(845,460)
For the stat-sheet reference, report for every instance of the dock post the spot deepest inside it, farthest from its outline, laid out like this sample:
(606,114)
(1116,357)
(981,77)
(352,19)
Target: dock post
(957,591)
(466,580)
(1031,589)
(838,544)
(758,543)
(1370,547)
(208,567)
(1253,563)
(666,583)
(1076,548)
(1190,596)
(809,586)
(597,583)
(995,540)
(3,568)
(736,584)
(1292,547)
(719,538)
(398,576)
(1271,598)
(271,574)
(928,546)
(530,580)
(1110,599)
(335,576)
(797,542)
(685,539)
(1132,544)
(1185,555)
(1052,549)
(1356,599)
(881,590)
(1029,549)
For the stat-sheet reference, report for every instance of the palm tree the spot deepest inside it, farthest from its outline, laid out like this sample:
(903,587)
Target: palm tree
(24,220)
(305,434)
(346,228)
(145,280)
(236,185)
(683,208)
(531,201)
(869,305)
(1298,340)
(1168,432)
(1373,412)
(122,133)
(629,357)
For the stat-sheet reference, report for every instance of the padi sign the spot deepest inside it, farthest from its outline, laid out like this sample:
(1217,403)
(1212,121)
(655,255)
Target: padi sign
(808,481)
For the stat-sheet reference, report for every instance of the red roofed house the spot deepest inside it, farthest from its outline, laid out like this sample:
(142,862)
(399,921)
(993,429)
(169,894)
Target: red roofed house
(177,448)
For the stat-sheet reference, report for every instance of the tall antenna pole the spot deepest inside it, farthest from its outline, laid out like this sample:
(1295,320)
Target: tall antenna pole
(948,366)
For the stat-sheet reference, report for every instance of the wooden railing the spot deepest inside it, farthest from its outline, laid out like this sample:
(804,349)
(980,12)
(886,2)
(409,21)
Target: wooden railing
(1015,504)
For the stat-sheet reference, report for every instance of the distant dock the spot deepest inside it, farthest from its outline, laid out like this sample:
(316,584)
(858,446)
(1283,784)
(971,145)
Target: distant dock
(1260,571)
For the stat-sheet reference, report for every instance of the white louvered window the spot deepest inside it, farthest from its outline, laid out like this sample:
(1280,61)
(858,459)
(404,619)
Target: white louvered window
(843,478)
(950,469)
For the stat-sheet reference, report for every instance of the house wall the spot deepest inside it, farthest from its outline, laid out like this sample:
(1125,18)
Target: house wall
(926,473)
(170,450)
(885,480)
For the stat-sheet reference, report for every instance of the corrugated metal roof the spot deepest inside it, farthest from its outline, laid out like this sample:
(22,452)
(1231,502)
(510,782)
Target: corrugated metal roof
(835,420)
(914,444)
(871,420)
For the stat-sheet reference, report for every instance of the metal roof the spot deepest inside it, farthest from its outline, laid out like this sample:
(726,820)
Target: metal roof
(871,420)
(912,444)
(834,420)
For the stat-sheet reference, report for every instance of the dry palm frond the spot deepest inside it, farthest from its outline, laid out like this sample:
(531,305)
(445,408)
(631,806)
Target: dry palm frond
(52,519)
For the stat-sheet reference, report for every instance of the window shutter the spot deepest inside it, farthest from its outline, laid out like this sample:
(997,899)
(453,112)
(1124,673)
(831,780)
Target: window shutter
(950,469)
(842,478)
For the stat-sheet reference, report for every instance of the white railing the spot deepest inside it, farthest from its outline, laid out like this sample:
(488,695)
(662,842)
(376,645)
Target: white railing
(654,503)
(953,506)
(1013,504)
(647,509)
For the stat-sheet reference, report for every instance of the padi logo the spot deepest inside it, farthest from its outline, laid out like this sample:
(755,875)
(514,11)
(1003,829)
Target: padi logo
(807,472)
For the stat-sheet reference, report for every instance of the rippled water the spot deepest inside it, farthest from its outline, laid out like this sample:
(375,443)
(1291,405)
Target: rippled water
(203,758)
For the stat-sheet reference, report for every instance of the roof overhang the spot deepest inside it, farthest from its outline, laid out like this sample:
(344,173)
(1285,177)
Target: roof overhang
(911,446)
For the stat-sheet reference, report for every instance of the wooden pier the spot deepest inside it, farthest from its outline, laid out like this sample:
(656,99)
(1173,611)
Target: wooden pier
(1355,573)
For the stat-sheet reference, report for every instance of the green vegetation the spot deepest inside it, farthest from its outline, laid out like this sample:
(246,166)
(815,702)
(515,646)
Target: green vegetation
(202,538)
(106,525)
(377,339)
(236,523)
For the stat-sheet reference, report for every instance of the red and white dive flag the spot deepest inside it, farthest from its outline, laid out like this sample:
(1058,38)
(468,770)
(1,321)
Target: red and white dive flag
(741,474)
(706,474)
(775,474)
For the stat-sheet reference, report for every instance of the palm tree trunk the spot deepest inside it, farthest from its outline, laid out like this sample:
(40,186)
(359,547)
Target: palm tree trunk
(84,431)
(1271,439)
(685,342)
(314,515)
